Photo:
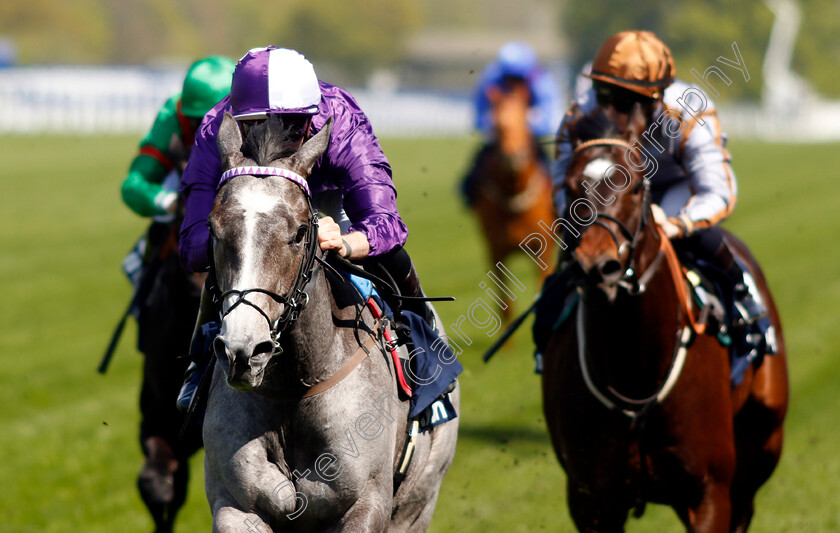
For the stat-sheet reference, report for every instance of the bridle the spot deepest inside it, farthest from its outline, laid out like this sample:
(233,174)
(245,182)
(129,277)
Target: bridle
(635,285)
(630,279)
(298,296)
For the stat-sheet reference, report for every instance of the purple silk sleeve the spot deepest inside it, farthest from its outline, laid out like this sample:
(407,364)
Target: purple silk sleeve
(198,188)
(355,164)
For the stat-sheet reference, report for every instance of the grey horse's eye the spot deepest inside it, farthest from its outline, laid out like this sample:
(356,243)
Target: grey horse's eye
(301,233)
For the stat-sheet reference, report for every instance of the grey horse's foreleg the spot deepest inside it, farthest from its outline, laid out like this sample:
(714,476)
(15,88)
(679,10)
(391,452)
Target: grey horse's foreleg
(228,519)
(371,513)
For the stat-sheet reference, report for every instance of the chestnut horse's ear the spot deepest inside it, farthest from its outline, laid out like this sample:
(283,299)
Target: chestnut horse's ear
(305,158)
(636,123)
(229,140)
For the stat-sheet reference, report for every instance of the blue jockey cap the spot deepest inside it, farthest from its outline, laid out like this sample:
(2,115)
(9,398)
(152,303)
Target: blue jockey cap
(517,59)
(274,80)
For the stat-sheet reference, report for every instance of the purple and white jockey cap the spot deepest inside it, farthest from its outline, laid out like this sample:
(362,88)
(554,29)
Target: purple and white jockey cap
(273,80)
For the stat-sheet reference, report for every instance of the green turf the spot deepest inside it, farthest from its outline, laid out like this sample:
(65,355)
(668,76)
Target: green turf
(68,441)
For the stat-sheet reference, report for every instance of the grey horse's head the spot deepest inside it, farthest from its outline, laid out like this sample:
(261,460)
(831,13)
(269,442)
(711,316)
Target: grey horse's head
(259,225)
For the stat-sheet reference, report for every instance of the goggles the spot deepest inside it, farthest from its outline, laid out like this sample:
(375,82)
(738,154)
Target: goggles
(620,98)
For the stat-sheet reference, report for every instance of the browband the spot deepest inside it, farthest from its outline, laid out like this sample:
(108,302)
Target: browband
(266,171)
(601,142)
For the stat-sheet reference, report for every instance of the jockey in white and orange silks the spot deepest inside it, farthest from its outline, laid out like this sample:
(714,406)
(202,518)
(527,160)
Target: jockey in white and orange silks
(694,187)
(694,184)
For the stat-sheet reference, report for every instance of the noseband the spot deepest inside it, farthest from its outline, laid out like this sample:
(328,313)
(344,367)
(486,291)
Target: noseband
(629,280)
(298,296)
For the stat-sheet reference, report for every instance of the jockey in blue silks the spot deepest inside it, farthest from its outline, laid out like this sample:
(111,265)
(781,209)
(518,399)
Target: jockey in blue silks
(351,182)
(515,61)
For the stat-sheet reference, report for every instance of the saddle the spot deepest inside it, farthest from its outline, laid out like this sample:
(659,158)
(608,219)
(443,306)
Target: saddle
(748,335)
(426,370)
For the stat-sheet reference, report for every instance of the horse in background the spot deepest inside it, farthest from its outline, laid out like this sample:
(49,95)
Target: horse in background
(510,181)
(166,301)
(304,428)
(638,400)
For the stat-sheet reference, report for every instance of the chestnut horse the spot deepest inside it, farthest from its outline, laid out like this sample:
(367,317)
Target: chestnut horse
(638,400)
(513,186)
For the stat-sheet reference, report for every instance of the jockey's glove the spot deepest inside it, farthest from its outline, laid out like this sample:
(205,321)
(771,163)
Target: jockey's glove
(166,201)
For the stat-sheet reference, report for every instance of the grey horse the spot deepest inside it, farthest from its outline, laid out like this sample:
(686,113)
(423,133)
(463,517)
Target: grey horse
(279,458)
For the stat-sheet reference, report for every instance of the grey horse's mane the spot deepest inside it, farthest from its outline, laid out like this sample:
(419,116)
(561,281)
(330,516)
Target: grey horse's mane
(268,141)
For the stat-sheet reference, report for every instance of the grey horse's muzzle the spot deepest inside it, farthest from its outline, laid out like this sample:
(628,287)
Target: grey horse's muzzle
(243,362)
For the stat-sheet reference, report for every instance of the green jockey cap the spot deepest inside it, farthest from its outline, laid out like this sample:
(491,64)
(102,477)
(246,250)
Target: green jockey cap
(207,82)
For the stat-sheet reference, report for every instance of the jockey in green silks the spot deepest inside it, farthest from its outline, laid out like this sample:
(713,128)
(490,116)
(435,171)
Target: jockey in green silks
(167,144)
(166,299)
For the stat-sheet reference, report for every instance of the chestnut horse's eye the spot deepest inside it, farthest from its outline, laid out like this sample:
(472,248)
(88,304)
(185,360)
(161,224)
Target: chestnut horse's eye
(301,233)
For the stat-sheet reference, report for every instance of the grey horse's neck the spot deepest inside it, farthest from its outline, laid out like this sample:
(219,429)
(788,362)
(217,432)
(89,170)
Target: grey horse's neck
(322,338)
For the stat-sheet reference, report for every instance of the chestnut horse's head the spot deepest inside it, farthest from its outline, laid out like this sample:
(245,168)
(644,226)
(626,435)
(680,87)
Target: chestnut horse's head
(509,107)
(608,197)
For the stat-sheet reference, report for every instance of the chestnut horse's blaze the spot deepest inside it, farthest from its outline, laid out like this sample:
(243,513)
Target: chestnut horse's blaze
(513,191)
(640,406)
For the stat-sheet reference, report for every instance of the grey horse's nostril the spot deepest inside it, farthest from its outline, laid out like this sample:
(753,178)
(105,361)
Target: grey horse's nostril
(265,347)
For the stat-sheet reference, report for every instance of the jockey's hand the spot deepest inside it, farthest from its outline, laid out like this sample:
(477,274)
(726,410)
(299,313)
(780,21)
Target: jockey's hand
(167,200)
(329,236)
(671,229)
(353,245)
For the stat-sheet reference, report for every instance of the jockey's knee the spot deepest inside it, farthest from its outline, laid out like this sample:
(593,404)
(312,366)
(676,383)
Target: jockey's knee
(707,244)
(396,262)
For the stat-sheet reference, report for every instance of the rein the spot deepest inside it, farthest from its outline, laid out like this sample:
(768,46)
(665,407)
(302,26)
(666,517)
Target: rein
(615,401)
(636,285)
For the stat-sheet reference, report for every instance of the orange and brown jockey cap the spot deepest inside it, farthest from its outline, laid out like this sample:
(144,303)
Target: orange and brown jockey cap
(635,60)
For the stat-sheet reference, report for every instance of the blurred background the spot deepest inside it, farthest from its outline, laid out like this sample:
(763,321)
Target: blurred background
(96,65)
(81,81)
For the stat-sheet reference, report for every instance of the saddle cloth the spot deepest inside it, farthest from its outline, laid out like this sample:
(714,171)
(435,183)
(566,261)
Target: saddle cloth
(428,367)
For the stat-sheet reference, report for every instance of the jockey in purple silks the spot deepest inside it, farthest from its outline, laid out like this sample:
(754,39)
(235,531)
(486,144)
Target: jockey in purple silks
(353,170)
(351,182)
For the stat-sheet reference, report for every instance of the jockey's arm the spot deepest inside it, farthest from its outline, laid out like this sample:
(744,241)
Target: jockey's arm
(562,156)
(707,163)
(198,187)
(357,164)
(545,105)
(142,190)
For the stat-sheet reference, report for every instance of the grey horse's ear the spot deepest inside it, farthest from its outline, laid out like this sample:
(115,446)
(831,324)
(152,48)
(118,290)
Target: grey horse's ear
(229,140)
(304,159)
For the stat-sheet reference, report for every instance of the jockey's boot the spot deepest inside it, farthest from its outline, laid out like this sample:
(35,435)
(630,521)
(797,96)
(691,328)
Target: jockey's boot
(469,183)
(410,286)
(192,379)
(200,356)
(746,297)
(551,305)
